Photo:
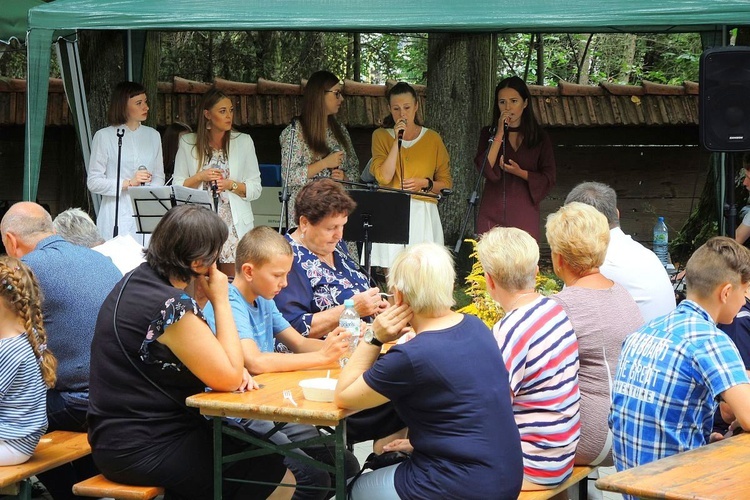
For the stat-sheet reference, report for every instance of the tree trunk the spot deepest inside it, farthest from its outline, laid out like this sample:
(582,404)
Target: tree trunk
(357,57)
(268,55)
(99,80)
(311,54)
(540,59)
(461,80)
(151,62)
(627,60)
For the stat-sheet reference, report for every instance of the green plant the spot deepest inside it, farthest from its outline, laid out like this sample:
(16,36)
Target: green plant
(482,305)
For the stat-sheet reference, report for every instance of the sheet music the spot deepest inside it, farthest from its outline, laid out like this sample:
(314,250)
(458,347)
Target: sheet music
(150,203)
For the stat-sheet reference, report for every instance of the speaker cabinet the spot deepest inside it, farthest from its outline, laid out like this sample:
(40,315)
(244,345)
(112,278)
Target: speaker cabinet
(724,96)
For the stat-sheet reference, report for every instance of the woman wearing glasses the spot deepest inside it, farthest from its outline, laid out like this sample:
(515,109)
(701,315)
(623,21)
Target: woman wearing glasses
(315,144)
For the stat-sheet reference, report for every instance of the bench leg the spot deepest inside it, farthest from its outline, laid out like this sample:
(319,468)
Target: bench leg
(339,450)
(218,472)
(24,491)
(583,489)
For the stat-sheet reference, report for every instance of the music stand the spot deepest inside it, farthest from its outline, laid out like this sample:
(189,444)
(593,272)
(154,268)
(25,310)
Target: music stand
(150,203)
(380,217)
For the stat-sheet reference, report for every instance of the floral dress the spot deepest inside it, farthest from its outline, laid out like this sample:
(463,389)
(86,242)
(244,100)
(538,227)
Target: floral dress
(219,161)
(314,286)
(296,153)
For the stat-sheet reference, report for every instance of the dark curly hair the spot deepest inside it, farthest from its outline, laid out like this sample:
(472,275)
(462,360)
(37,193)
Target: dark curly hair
(320,198)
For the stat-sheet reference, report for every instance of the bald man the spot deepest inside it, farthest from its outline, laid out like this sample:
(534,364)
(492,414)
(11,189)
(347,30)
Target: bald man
(74,280)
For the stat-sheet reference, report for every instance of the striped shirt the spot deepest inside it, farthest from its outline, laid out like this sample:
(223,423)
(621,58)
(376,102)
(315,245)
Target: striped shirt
(668,378)
(540,352)
(23,405)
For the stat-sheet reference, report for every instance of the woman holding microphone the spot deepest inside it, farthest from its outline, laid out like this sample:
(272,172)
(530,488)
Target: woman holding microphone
(520,166)
(406,155)
(140,159)
(221,160)
(315,144)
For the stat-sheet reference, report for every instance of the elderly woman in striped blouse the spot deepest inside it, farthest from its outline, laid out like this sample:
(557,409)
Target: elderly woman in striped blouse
(540,352)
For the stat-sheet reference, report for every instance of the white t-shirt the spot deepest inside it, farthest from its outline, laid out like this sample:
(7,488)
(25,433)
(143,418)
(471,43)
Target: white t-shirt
(639,271)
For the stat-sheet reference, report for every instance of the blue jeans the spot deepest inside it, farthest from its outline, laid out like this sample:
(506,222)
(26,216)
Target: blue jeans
(67,412)
(376,485)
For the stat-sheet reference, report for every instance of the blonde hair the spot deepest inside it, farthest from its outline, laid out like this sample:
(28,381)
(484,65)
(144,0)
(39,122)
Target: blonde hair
(580,234)
(259,245)
(20,291)
(510,255)
(424,275)
(719,260)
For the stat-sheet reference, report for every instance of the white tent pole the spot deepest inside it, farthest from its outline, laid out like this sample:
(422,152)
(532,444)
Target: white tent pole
(69,60)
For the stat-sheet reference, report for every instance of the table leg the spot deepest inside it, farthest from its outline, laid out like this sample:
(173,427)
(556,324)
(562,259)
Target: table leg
(340,459)
(218,476)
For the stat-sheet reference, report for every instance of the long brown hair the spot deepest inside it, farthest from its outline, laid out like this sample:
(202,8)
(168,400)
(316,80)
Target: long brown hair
(209,100)
(530,128)
(314,119)
(22,295)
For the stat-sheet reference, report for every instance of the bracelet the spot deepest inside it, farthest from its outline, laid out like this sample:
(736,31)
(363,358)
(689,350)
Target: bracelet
(429,185)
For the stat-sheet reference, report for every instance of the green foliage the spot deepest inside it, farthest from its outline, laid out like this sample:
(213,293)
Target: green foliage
(482,305)
(618,58)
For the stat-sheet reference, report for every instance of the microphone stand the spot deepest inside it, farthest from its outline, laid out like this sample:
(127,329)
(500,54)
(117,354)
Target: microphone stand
(284,195)
(506,127)
(366,225)
(215,194)
(473,199)
(116,229)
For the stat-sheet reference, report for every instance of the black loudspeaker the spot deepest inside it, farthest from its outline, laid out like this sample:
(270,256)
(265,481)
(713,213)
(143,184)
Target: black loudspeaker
(724,95)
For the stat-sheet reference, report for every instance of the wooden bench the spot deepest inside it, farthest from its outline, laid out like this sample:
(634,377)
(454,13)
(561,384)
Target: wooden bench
(580,475)
(99,487)
(54,449)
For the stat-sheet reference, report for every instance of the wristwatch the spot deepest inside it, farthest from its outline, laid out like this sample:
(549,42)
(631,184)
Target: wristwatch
(370,338)
(428,188)
(234,186)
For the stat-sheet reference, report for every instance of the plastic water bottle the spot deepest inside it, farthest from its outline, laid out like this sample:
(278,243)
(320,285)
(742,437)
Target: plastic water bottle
(350,320)
(661,241)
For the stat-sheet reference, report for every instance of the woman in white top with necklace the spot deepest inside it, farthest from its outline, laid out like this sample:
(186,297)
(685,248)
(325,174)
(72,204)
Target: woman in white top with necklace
(141,146)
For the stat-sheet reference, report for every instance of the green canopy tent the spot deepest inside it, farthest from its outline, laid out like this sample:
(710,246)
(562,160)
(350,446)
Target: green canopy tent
(13,21)
(576,16)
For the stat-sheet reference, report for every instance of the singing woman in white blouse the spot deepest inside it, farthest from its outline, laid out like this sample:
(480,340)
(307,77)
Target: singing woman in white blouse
(141,147)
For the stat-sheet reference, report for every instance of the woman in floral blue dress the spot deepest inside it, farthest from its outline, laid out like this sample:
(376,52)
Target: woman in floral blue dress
(323,274)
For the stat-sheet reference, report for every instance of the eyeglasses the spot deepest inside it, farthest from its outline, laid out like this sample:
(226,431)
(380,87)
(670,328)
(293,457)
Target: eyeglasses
(337,93)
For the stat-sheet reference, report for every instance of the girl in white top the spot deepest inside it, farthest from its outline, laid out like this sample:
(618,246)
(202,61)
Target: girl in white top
(27,368)
(141,147)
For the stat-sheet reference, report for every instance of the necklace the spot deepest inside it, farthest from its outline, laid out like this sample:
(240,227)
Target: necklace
(513,305)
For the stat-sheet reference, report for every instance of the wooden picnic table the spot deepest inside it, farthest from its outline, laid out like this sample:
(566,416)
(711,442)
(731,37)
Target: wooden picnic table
(268,403)
(717,471)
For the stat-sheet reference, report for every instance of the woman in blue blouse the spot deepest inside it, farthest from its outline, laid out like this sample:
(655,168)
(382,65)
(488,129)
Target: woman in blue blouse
(323,274)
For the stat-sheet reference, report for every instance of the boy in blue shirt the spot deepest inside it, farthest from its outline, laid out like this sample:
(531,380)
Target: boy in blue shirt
(674,371)
(263,260)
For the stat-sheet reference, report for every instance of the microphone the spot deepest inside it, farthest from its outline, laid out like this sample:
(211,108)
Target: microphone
(400,137)
(506,126)
(141,169)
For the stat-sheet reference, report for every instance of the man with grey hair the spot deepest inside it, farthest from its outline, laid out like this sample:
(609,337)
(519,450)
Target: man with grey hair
(74,281)
(75,226)
(627,262)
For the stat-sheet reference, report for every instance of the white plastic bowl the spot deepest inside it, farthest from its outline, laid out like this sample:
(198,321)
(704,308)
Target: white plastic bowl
(318,389)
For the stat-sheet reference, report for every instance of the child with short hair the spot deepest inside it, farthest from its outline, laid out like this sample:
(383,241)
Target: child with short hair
(263,260)
(674,371)
(27,367)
